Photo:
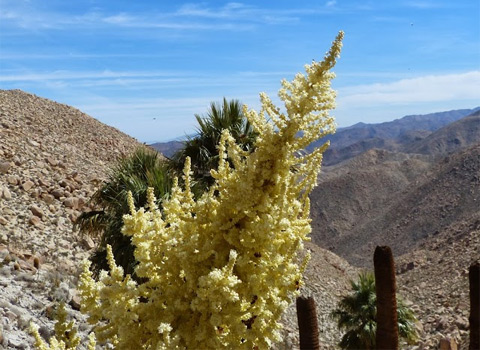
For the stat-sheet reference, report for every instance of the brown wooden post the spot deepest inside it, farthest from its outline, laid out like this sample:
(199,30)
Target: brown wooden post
(387,324)
(307,324)
(474,319)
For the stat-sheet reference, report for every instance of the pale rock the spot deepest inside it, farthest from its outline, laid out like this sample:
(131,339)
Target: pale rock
(48,198)
(71,202)
(15,343)
(43,182)
(8,211)
(448,344)
(35,221)
(462,323)
(33,143)
(27,185)
(52,161)
(12,180)
(87,242)
(6,194)
(4,167)
(442,323)
(57,193)
(74,216)
(75,301)
(36,211)
(3,221)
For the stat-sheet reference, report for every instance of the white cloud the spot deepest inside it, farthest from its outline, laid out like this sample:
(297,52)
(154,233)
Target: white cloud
(119,19)
(232,16)
(375,103)
(430,88)
(423,4)
(72,75)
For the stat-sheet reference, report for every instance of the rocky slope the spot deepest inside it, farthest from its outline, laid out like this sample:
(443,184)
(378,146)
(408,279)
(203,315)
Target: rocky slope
(426,207)
(434,277)
(52,159)
(402,218)
(453,137)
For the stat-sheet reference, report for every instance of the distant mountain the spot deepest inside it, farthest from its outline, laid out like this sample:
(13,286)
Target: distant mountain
(453,137)
(356,139)
(169,148)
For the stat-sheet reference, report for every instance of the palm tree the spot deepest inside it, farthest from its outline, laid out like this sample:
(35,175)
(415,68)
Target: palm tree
(202,148)
(144,169)
(356,313)
(135,173)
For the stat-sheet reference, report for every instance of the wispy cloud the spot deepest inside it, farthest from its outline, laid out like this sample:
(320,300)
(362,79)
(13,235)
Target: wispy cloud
(73,75)
(423,4)
(232,16)
(430,88)
(230,10)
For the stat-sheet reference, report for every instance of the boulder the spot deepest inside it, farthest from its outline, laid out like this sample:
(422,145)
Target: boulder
(448,344)
(4,167)
(36,211)
(57,193)
(35,220)
(27,185)
(5,193)
(71,202)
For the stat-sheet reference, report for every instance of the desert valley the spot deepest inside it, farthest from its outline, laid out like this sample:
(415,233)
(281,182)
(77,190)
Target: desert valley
(412,184)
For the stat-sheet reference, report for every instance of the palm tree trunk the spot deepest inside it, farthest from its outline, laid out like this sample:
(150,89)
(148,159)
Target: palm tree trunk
(307,324)
(387,324)
(474,319)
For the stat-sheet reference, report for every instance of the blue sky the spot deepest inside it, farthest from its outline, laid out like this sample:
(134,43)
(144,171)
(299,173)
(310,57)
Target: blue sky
(146,67)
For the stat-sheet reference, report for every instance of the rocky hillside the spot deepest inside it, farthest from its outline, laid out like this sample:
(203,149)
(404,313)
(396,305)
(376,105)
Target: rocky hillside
(52,159)
(434,278)
(426,207)
(451,138)
(397,203)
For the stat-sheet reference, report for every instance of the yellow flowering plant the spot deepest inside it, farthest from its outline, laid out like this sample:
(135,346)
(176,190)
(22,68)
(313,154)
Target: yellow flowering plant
(219,271)
(65,338)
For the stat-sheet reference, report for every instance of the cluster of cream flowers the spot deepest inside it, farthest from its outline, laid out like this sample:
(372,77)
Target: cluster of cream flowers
(65,338)
(219,271)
